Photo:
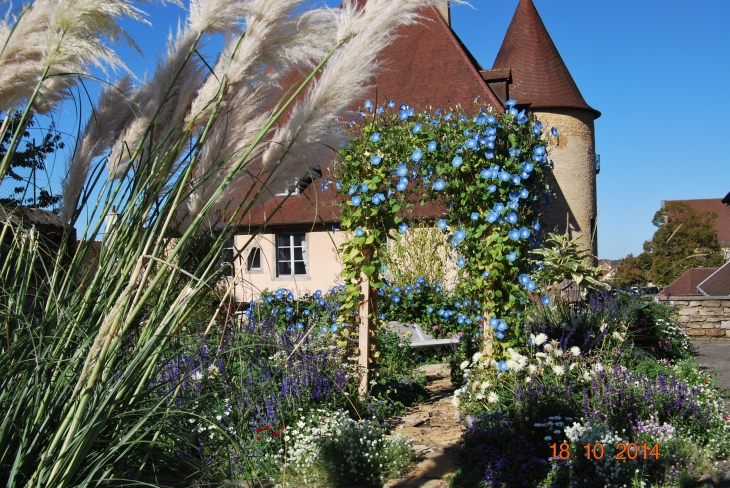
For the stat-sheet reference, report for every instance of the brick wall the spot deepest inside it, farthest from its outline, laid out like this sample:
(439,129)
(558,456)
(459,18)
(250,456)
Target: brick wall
(704,316)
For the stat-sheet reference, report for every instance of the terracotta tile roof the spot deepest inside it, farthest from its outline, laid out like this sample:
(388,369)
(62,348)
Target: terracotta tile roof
(428,65)
(722,224)
(717,284)
(687,283)
(540,77)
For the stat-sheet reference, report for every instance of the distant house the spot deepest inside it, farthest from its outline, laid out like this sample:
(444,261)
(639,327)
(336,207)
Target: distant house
(687,283)
(608,270)
(717,284)
(429,66)
(722,223)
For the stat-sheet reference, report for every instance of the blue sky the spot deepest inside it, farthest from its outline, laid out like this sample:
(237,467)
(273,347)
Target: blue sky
(657,70)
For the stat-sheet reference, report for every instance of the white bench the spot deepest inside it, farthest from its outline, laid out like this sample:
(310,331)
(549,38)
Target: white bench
(417,336)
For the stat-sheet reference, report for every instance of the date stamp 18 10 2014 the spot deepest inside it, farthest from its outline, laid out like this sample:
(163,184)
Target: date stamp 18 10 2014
(595,452)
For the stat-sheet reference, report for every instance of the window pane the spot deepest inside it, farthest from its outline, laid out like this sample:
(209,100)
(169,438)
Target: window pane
(299,268)
(254,258)
(284,254)
(283,268)
(298,239)
(282,239)
(298,254)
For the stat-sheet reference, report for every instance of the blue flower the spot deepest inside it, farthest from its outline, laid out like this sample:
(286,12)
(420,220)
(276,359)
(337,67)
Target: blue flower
(514,234)
(489,154)
(524,193)
(513,112)
(429,310)
(511,256)
(375,160)
(414,173)
(504,176)
(401,170)
(514,151)
(375,137)
(475,215)
(401,186)
(510,103)
(378,198)
(396,289)
(288,310)
(432,146)
(511,218)
(368,105)
(364,188)
(493,322)
(528,167)
(442,225)
(523,279)
(460,262)
(516,180)
(531,286)
(439,184)
(502,326)
(524,233)
(390,103)
(554,131)
(307,312)
(545,300)
(379,110)
(417,128)
(396,299)
(485,274)
(498,207)
(524,175)
(338,185)
(459,235)
(299,326)
(359,232)
(503,365)
(353,189)
(456,162)
(492,188)
(539,150)
(490,119)
(403,228)
(448,116)
(471,143)
(417,155)
(499,335)
(536,226)
(485,173)
(355,201)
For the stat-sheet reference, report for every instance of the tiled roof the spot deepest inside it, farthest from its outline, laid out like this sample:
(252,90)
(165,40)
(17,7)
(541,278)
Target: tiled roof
(687,283)
(722,223)
(540,77)
(428,65)
(717,284)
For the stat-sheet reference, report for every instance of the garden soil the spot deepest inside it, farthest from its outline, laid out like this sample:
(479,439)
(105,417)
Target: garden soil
(437,433)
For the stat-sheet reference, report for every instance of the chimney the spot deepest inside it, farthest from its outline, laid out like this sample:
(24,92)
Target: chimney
(445,11)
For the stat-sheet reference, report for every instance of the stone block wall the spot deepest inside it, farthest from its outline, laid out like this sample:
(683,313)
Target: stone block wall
(704,316)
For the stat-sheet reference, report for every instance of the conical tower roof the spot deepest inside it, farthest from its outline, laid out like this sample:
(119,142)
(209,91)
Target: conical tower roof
(539,75)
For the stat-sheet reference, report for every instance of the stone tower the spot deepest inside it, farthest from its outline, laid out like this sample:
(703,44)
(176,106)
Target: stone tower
(541,82)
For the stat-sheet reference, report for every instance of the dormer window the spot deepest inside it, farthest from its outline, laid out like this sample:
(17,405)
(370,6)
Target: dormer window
(290,189)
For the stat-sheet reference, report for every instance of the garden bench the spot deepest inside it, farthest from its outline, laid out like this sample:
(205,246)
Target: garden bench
(418,337)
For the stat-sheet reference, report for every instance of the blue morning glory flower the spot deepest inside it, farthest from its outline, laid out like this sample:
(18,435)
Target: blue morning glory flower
(401,186)
(414,173)
(448,116)
(368,105)
(403,228)
(503,365)
(516,180)
(545,300)
(359,232)
(403,114)
(524,193)
(489,154)
(401,170)
(460,262)
(379,110)
(429,310)
(536,131)
(492,217)
(353,189)
(491,119)
(417,155)
(375,160)
(493,322)
(554,131)
(504,176)
(307,312)
(338,185)
(299,326)
(442,224)
(471,143)
(396,289)
(498,207)
(492,188)
(355,201)
(288,310)
(485,173)
(475,215)
(524,175)
(511,256)
(432,146)
(417,128)
(513,205)
(378,198)
(523,279)
(514,234)
(514,195)
(456,162)
(531,286)
(485,274)
(499,335)
(502,326)
(439,184)
(490,144)
(459,235)
(524,233)
(390,103)
(510,103)
(536,226)
(514,151)
(364,188)
(522,118)
(396,299)
(539,150)
(528,167)
(375,137)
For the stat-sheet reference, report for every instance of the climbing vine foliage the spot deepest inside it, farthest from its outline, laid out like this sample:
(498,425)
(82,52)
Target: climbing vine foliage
(486,171)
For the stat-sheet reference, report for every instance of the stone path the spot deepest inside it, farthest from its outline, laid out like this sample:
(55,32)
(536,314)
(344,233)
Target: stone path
(436,432)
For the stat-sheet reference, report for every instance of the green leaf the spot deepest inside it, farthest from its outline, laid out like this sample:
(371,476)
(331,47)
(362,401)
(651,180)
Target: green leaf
(368,270)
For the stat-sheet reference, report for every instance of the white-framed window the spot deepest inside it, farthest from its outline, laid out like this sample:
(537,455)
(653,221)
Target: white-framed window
(288,188)
(253,259)
(227,259)
(291,254)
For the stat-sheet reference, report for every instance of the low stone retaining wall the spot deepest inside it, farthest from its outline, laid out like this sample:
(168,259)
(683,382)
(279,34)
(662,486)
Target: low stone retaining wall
(704,316)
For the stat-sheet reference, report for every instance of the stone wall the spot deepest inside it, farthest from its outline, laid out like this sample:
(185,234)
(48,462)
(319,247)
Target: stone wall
(704,316)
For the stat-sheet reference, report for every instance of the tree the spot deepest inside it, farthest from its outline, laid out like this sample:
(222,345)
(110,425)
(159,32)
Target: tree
(629,272)
(27,159)
(685,238)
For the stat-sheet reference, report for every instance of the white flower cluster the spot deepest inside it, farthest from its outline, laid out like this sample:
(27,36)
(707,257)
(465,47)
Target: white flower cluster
(608,467)
(325,443)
